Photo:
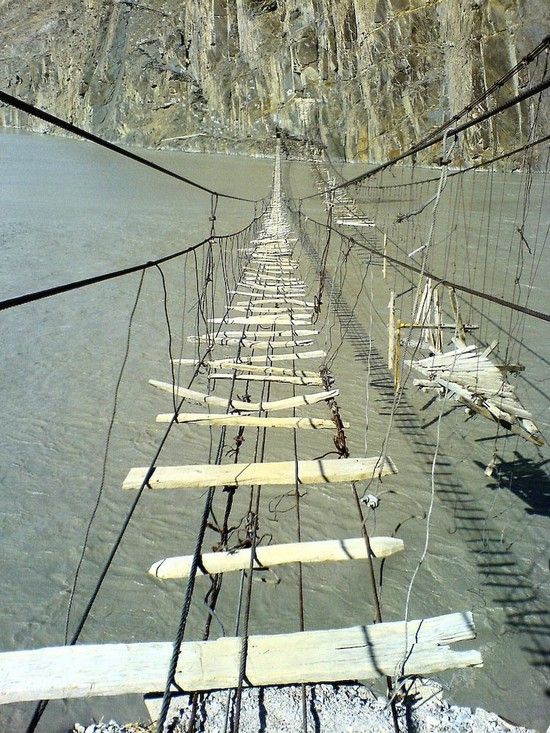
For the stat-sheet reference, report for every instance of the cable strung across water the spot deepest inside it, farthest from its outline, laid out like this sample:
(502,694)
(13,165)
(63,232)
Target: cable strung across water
(41,114)
(75,285)
(449,132)
(540,315)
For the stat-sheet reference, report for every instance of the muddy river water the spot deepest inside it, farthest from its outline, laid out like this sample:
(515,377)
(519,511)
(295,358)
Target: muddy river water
(69,211)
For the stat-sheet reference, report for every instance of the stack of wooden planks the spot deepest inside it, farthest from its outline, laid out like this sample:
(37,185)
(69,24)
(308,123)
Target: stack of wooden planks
(471,377)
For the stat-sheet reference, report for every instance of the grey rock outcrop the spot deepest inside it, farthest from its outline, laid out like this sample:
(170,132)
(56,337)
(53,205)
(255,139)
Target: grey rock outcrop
(367,78)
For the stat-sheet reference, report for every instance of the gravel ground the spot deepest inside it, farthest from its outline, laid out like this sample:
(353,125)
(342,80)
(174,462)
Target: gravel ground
(346,708)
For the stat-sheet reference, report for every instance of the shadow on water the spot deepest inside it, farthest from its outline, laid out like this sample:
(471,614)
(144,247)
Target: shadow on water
(507,582)
(526,478)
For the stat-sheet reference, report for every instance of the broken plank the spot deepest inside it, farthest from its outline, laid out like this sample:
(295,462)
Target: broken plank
(239,367)
(262,320)
(217,419)
(288,402)
(267,556)
(274,473)
(267,334)
(305,381)
(418,647)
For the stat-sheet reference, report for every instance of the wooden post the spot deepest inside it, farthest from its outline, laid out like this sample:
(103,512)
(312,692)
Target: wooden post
(391,330)
(394,329)
(460,332)
(384,263)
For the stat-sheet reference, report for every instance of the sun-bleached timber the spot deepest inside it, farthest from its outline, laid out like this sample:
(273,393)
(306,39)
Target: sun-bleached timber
(275,473)
(267,556)
(360,652)
(217,419)
(284,404)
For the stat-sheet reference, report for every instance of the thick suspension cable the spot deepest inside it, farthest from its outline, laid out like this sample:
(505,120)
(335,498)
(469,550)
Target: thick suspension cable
(41,114)
(447,133)
(540,315)
(57,289)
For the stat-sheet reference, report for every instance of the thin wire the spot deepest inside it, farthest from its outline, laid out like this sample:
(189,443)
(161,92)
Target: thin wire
(105,455)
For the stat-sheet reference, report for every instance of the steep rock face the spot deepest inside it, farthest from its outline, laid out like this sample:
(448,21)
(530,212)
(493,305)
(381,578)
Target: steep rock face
(365,77)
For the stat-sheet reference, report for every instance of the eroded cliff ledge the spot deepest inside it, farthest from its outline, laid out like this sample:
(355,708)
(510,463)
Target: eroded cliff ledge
(365,77)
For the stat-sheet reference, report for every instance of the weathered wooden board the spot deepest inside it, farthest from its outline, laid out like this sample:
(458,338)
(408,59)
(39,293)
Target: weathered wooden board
(275,473)
(285,301)
(418,647)
(270,288)
(265,345)
(283,310)
(267,556)
(268,334)
(293,356)
(259,369)
(274,296)
(274,405)
(217,419)
(304,381)
(355,222)
(259,345)
(262,320)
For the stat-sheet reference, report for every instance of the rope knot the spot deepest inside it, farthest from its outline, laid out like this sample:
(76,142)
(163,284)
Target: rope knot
(371,501)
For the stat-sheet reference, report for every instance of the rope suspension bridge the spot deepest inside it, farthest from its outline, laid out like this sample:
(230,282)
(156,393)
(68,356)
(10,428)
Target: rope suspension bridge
(270,349)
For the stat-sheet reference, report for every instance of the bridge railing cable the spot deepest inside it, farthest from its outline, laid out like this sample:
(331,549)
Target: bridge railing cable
(448,133)
(41,114)
(85,282)
(540,315)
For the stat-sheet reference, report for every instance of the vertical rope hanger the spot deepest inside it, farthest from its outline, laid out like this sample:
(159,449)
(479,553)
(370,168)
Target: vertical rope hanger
(213,208)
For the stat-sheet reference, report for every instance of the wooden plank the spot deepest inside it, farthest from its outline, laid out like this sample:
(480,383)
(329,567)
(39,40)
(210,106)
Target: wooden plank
(267,556)
(277,297)
(262,320)
(268,334)
(294,356)
(251,344)
(274,473)
(288,301)
(204,399)
(269,288)
(355,222)
(217,419)
(262,369)
(304,381)
(265,278)
(265,345)
(419,647)
(283,310)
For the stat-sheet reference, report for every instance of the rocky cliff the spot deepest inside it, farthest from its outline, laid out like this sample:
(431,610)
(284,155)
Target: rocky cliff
(365,77)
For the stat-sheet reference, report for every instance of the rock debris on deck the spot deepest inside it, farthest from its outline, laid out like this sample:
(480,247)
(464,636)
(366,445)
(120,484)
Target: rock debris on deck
(345,708)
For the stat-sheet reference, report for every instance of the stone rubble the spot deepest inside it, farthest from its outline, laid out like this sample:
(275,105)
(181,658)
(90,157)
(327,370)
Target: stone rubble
(344,708)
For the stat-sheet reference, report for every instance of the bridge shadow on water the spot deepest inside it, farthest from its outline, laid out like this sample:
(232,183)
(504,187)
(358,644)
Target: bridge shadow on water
(506,580)
(527,479)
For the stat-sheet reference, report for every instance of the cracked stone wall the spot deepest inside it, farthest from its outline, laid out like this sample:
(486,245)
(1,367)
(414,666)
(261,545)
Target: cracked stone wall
(365,77)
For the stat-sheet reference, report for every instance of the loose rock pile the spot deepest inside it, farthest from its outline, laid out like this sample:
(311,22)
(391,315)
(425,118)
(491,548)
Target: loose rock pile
(345,708)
